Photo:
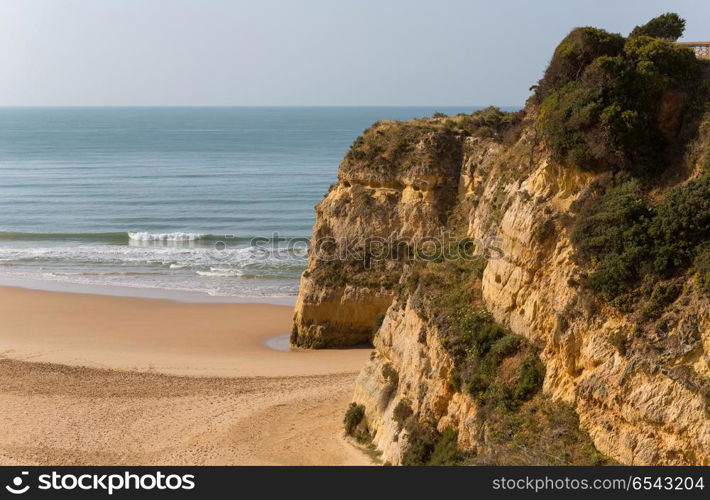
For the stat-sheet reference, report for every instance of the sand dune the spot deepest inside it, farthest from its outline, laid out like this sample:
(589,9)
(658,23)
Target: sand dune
(102,380)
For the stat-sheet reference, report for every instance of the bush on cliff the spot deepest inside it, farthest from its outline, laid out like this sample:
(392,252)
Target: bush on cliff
(610,102)
(353,417)
(402,412)
(669,26)
(577,51)
(610,233)
(427,446)
(680,225)
(447,451)
(622,239)
(497,367)
(701,267)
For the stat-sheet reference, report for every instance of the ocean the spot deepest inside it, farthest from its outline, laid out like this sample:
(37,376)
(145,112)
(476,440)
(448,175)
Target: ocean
(169,199)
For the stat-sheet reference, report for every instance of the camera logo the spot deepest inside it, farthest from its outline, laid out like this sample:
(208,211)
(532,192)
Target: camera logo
(17,483)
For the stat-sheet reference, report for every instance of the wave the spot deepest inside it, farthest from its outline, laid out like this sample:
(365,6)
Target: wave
(221,273)
(145,236)
(125,238)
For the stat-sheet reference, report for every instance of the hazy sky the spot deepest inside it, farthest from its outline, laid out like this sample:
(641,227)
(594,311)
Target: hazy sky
(297,52)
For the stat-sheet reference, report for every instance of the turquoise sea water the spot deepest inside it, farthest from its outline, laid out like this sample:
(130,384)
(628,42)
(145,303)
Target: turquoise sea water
(169,198)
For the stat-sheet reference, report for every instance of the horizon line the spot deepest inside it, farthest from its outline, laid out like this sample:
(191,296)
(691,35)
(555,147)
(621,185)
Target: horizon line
(258,105)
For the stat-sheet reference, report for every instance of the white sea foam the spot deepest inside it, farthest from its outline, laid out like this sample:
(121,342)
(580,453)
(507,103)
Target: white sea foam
(145,236)
(195,268)
(222,273)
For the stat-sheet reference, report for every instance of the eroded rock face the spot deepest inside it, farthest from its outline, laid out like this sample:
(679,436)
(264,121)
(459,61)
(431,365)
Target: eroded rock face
(647,405)
(399,186)
(413,350)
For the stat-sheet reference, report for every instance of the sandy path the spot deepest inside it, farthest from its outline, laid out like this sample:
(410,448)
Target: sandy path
(61,414)
(53,414)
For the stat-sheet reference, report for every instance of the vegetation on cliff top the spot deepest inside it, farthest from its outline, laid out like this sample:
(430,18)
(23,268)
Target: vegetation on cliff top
(628,104)
(392,146)
(669,26)
(612,102)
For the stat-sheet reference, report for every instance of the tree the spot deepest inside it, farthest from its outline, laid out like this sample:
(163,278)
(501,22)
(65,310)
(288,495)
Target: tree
(669,26)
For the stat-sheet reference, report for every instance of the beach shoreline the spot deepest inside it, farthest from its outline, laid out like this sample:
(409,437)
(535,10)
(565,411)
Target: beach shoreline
(118,380)
(139,292)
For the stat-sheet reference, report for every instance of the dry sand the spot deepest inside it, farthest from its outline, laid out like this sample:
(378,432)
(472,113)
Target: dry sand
(112,380)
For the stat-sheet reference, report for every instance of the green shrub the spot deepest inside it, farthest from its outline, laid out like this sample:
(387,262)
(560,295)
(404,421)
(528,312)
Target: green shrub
(426,446)
(477,384)
(611,233)
(506,346)
(574,53)
(681,224)
(478,368)
(663,294)
(477,344)
(532,374)
(611,223)
(501,370)
(447,451)
(620,342)
(623,240)
(402,412)
(390,374)
(540,432)
(490,122)
(669,26)
(614,276)
(481,331)
(605,100)
(421,441)
(701,266)
(353,417)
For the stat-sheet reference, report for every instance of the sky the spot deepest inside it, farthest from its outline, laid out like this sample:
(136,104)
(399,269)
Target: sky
(297,52)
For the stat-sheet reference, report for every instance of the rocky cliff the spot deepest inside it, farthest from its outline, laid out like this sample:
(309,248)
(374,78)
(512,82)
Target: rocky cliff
(398,182)
(485,357)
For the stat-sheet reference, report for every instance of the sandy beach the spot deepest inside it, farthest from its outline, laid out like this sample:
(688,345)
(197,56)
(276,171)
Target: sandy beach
(113,380)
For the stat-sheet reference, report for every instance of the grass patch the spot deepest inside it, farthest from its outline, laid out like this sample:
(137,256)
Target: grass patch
(541,432)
